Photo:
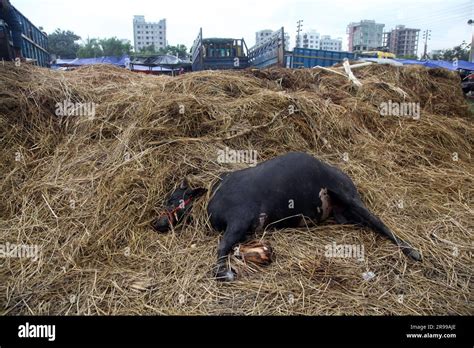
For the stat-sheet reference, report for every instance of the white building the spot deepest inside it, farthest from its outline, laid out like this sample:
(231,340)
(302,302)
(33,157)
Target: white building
(148,33)
(313,40)
(365,35)
(310,39)
(329,44)
(262,35)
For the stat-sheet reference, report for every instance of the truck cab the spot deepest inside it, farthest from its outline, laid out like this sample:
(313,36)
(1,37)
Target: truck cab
(219,54)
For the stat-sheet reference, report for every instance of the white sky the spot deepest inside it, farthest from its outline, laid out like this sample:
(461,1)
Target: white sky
(242,18)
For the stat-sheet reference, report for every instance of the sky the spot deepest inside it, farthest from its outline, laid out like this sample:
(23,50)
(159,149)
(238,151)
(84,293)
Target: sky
(447,19)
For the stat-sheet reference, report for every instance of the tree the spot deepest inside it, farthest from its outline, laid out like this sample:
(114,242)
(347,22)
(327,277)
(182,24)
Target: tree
(179,50)
(149,50)
(460,52)
(63,44)
(93,48)
(115,47)
(90,49)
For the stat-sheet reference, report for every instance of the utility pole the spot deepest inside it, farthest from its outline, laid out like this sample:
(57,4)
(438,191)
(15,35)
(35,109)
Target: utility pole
(471,23)
(426,37)
(298,30)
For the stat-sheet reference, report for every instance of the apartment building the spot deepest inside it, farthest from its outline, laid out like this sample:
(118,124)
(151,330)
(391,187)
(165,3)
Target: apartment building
(402,41)
(365,35)
(148,33)
(262,35)
(329,44)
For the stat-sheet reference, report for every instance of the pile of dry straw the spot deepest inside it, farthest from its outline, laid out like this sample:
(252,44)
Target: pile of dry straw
(83,189)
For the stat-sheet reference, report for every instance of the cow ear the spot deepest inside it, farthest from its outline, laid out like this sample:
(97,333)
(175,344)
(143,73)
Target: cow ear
(196,193)
(184,184)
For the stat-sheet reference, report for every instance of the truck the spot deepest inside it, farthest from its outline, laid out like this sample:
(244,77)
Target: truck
(270,52)
(34,45)
(309,58)
(219,53)
(376,54)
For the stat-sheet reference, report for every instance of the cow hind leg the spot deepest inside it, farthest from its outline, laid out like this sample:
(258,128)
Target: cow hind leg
(353,211)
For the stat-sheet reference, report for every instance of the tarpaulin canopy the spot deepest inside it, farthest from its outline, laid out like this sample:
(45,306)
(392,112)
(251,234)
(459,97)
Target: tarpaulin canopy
(454,65)
(165,60)
(382,61)
(119,61)
(137,67)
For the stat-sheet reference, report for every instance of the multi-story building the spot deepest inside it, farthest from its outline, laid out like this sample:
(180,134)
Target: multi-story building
(312,39)
(328,44)
(365,35)
(402,41)
(262,35)
(148,33)
(309,39)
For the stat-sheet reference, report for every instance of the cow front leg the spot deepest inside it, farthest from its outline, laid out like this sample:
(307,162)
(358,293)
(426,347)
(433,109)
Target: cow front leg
(232,236)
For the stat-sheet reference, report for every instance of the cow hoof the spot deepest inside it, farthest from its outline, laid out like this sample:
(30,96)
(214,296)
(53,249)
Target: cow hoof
(413,254)
(225,275)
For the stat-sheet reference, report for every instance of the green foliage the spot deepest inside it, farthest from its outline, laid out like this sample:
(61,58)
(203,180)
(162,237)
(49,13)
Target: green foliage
(93,48)
(63,44)
(115,47)
(460,52)
(180,50)
(148,50)
(90,49)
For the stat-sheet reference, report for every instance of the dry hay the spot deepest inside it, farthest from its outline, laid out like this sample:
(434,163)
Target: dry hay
(85,189)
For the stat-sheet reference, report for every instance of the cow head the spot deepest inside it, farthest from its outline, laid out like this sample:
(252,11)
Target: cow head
(177,205)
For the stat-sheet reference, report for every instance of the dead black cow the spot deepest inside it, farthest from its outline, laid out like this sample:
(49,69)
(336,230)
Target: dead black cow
(281,192)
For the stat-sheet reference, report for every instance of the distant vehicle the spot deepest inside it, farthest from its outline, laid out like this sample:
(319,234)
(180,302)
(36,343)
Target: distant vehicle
(219,54)
(309,58)
(34,45)
(467,83)
(376,54)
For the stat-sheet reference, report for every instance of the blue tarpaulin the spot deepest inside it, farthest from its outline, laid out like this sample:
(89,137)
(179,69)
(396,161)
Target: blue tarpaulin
(455,65)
